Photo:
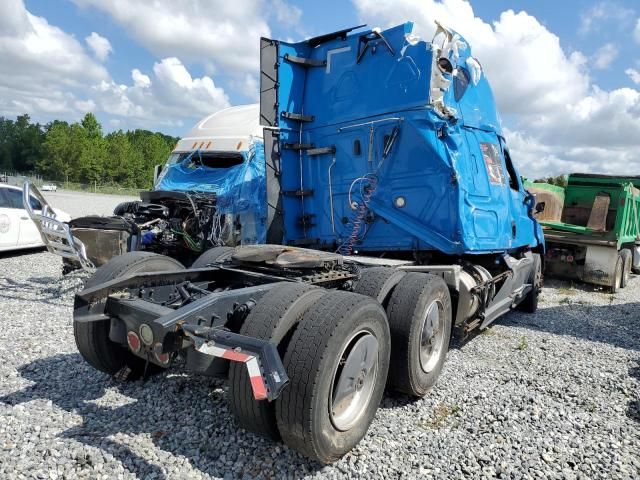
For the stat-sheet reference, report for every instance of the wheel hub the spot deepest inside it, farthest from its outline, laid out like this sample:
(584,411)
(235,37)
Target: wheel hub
(354,380)
(432,336)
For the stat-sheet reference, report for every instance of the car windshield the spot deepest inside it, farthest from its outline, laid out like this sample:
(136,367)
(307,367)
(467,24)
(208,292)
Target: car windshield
(208,159)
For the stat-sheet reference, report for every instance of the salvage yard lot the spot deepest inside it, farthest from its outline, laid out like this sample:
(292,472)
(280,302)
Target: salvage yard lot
(550,395)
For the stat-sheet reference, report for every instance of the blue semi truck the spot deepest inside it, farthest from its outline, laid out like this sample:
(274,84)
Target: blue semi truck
(395,221)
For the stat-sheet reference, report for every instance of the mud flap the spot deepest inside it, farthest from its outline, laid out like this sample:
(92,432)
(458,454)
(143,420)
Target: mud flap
(600,265)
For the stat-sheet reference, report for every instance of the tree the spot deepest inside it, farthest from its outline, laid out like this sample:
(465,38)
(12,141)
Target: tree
(560,180)
(57,149)
(79,152)
(91,126)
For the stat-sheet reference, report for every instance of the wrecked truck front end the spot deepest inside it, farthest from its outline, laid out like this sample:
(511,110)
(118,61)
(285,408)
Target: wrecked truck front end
(210,192)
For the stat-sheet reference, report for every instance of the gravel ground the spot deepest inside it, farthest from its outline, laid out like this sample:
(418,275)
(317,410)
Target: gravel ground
(550,395)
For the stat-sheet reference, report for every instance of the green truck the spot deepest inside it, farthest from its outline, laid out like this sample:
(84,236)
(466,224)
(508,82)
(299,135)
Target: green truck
(595,236)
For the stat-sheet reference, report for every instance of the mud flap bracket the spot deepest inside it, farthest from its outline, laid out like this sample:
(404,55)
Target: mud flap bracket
(264,366)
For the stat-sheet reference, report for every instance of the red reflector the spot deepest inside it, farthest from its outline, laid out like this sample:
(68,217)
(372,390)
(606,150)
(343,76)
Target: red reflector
(133,341)
(162,358)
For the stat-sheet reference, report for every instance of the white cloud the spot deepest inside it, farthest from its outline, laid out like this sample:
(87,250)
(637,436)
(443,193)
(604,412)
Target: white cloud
(591,16)
(604,12)
(140,79)
(166,99)
(223,32)
(47,73)
(249,87)
(40,64)
(286,14)
(636,32)
(85,105)
(604,56)
(557,114)
(100,45)
(634,75)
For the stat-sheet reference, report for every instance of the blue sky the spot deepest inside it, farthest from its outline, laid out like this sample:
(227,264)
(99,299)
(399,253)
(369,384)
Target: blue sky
(562,17)
(566,73)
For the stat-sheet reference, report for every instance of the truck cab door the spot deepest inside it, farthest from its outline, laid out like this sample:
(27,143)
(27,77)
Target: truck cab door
(488,199)
(9,222)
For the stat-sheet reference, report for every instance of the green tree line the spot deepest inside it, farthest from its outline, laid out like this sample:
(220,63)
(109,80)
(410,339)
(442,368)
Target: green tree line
(560,180)
(81,152)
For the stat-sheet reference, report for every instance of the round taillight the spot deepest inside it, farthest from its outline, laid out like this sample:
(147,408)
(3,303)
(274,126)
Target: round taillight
(146,334)
(161,357)
(133,341)
(570,258)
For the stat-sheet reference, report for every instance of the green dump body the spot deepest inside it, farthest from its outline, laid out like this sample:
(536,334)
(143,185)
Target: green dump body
(600,217)
(620,223)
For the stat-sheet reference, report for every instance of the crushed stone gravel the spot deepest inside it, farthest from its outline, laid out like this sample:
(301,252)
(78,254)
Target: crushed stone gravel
(552,395)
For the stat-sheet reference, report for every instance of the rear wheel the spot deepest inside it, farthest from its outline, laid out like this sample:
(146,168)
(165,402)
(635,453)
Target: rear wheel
(377,282)
(92,338)
(213,255)
(337,362)
(627,260)
(617,275)
(419,313)
(273,318)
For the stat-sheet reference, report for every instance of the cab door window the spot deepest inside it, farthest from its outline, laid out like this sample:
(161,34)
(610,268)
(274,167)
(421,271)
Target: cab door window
(511,172)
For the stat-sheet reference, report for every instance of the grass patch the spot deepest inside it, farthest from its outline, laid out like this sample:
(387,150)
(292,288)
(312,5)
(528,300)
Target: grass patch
(441,413)
(523,344)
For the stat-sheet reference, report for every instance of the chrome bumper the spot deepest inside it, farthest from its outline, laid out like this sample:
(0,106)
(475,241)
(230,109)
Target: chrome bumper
(56,235)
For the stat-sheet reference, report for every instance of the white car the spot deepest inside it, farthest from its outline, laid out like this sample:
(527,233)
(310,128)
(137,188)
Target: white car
(17,230)
(49,187)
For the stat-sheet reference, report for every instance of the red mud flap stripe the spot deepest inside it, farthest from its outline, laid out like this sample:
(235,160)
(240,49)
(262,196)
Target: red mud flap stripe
(253,367)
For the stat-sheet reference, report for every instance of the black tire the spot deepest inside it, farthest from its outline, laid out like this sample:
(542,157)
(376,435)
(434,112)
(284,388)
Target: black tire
(618,274)
(125,207)
(213,255)
(273,318)
(92,338)
(530,302)
(627,261)
(313,357)
(378,282)
(407,310)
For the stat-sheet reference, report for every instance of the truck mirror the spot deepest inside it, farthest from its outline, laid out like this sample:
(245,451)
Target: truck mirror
(156,173)
(445,65)
(540,207)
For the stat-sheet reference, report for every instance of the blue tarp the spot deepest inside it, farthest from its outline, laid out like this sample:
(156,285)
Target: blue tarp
(240,189)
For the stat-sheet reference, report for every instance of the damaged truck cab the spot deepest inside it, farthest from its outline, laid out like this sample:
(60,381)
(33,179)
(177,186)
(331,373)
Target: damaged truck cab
(389,143)
(210,192)
(384,157)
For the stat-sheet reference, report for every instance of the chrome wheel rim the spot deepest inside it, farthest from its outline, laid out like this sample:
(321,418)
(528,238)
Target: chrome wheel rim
(354,380)
(432,336)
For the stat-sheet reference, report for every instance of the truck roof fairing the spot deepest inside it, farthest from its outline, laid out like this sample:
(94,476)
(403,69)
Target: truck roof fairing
(230,129)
